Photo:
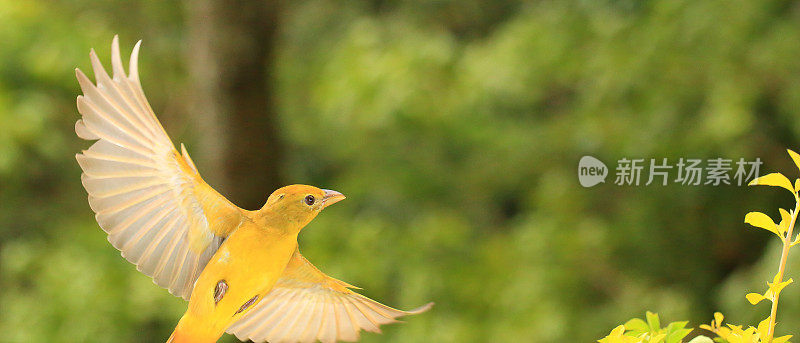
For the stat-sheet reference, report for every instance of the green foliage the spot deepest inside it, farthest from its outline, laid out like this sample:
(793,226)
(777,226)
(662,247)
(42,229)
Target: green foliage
(650,331)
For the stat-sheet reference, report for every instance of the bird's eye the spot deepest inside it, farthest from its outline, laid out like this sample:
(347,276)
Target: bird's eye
(219,291)
(309,200)
(247,304)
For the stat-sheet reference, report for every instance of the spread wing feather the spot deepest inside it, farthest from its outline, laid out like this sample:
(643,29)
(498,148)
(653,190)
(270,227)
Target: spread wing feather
(148,197)
(306,305)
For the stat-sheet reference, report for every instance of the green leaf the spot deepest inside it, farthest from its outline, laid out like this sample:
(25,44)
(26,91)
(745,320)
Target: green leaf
(761,220)
(676,332)
(677,325)
(701,339)
(677,336)
(636,325)
(653,322)
(774,179)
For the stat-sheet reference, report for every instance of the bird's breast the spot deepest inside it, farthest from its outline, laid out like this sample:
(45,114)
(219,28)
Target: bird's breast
(244,269)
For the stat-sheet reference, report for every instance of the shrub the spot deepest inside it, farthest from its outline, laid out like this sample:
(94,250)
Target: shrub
(650,331)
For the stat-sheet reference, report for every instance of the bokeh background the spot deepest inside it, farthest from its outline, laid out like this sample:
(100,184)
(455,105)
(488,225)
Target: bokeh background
(454,128)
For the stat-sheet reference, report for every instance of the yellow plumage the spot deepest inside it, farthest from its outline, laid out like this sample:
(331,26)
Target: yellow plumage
(241,270)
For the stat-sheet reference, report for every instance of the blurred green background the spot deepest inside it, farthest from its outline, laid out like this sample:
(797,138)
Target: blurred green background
(454,128)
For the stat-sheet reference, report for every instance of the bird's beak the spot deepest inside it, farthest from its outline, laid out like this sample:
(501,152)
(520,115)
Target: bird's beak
(331,197)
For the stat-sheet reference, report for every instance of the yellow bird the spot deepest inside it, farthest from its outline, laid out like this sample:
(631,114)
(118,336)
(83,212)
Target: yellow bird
(241,270)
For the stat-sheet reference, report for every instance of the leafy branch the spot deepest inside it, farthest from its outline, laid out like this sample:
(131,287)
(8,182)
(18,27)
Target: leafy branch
(637,331)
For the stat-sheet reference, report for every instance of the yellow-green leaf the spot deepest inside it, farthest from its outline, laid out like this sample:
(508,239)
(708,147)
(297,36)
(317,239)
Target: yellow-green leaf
(754,298)
(769,294)
(776,288)
(782,339)
(796,185)
(616,336)
(701,339)
(763,329)
(637,325)
(774,179)
(761,220)
(652,321)
(718,317)
(658,338)
(795,157)
(747,335)
(786,219)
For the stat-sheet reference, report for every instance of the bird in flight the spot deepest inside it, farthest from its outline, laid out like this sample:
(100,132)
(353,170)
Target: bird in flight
(240,270)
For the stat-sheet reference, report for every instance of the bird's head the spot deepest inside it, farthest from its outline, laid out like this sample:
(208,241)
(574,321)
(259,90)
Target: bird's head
(299,204)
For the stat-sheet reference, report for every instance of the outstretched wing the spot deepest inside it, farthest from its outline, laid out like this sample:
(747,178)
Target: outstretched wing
(149,198)
(306,305)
